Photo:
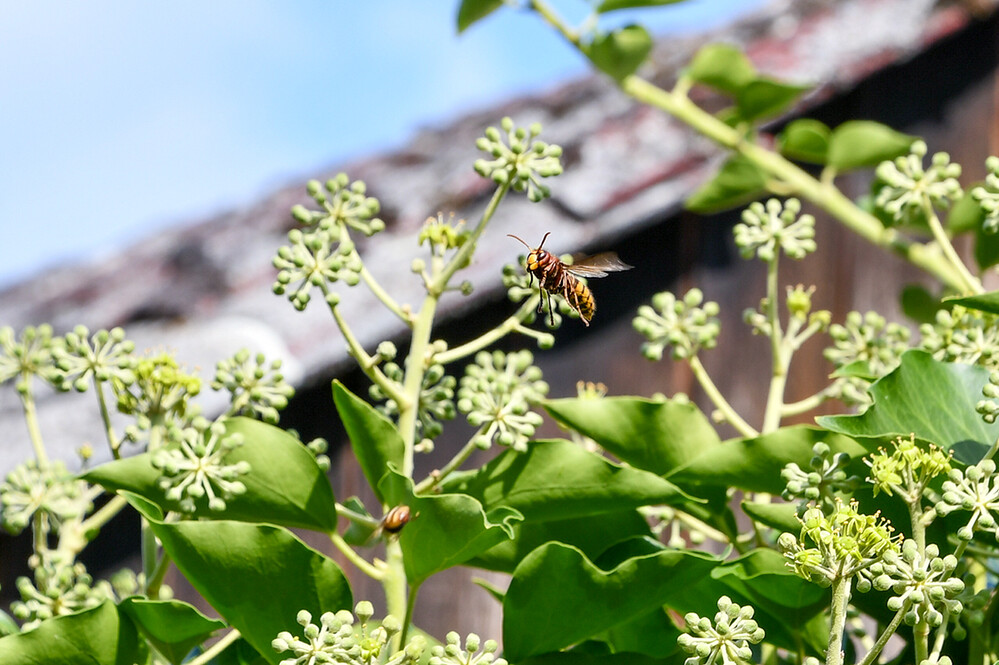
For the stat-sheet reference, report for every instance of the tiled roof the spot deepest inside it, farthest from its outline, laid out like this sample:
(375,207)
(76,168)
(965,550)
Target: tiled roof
(204,289)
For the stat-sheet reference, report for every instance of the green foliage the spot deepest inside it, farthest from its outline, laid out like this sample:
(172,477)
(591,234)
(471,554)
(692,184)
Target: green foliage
(284,485)
(620,52)
(642,515)
(934,400)
(171,626)
(738,181)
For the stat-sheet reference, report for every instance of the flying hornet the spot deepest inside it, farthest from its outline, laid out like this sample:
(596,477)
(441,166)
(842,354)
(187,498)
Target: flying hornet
(559,278)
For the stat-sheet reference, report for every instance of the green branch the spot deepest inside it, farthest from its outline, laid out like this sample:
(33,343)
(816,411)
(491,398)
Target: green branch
(31,419)
(511,324)
(711,390)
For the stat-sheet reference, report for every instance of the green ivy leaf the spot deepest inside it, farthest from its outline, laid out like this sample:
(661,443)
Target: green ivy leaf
(611,5)
(860,143)
(373,437)
(779,516)
(284,486)
(620,52)
(260,563)
(651,634)
(558,597)
(934,400)
(765,97)
(723,67)
(471,11)
(172,626)
(737,182)
(98,636)
(239,653)
(985,302)
(7,624)
(445,530)
(557,480)
(591,534)
(654,435)
(754,464)
(919,304)
(806,140)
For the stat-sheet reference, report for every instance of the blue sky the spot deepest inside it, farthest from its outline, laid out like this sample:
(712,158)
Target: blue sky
(118,118)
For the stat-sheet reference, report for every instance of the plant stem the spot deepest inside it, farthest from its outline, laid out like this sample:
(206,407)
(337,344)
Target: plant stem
(464,253)
(373,284)
(971,283)
(355,558)
(883,638)
(354,516)
(992,451)
(366,362)
(31,420)
(837,620)
(511,324)
(113,440)
(778,362)
(915,519)
(394,584)
(433,480)
(711,390)
(155,581)
(217,648)
(800,182)
(104,515)
(804,405)
(416,368)
(410,605)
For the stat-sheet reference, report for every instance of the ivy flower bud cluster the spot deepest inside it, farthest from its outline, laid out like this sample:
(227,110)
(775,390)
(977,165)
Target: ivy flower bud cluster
(33,355)
(988,196)
(497,393)
(518,159)
(768,229)
(49,489)
(843,544)
(435,403)
(826,478)
(194,466)
(104,357)
(160,394)
(922,583)
(344,204)
(58,590)
(684,325)
(726,640)
(323,252)
(452,653)
(963,335)
(869,344)
(335,640)
(314,260)
(908,469)
(255,388)
(974,489)
(909,188)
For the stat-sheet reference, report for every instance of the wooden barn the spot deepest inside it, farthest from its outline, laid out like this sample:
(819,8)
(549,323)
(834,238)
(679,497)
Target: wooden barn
(204,289)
